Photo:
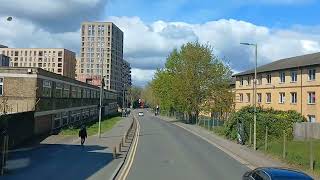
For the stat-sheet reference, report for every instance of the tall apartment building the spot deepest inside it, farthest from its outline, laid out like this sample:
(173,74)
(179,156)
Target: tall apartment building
(126,74)
(101,42)
(57,60)
(287,84)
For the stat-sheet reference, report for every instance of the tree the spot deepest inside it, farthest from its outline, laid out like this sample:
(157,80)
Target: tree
(193,80)
(135,93)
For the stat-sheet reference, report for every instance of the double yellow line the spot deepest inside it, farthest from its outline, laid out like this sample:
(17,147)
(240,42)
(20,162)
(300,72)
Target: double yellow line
(126,169)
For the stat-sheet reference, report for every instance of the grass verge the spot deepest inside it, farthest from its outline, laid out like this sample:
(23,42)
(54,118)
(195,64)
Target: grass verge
(297,153)
(92,128)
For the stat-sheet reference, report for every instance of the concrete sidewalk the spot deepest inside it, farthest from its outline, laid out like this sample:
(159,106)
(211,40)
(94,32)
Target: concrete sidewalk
(253,158)
(62,157)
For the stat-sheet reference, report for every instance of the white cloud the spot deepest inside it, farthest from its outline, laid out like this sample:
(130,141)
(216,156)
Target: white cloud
(146,46)
(54,15)
(141,76)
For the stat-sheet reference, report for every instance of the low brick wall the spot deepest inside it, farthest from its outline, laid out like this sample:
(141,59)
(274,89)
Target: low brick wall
(20,127)
(305,130)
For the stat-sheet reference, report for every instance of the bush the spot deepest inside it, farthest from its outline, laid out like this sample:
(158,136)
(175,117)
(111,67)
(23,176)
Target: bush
(276,120)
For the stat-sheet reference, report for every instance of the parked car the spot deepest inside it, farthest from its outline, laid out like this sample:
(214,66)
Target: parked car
(272,173)
(140,114)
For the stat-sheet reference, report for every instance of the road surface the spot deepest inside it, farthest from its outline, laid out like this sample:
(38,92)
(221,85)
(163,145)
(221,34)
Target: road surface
(166,151)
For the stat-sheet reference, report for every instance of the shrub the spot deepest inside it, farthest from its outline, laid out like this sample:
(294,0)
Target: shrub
(276,120)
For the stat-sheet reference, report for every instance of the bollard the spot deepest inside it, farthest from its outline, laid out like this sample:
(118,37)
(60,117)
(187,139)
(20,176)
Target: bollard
(250,135)
(311,148)
(284,144)
(266,140)
(114,153)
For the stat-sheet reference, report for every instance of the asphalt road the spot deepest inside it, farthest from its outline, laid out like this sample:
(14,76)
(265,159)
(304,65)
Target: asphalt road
(166,151)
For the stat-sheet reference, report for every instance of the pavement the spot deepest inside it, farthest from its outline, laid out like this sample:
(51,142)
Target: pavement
(166,151)
(252,158)
(62,157)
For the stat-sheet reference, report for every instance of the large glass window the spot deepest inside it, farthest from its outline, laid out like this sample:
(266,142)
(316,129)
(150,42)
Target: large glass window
(248,97)
(282,76)
(66,91)
(74,92)
(293,97)
(46,88)
(58,91)
(241,97)
(311,97)
(1,86)
(312,74)
(268,98)
(294,76)
(282,97)
(269,78)
(259,97)
(312,118)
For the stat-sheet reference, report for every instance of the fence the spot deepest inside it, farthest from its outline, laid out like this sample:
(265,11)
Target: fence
(305,130)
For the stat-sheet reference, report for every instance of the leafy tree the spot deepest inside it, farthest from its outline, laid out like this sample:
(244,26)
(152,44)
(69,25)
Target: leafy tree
(193,80)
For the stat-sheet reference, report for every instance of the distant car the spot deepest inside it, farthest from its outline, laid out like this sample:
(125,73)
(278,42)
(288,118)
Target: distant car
(272,173)
(140,113)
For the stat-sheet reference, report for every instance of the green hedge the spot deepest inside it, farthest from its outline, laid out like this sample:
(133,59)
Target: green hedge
(277,121)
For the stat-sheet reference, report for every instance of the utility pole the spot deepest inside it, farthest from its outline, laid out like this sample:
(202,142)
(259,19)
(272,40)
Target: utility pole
(254,95)
(101,95)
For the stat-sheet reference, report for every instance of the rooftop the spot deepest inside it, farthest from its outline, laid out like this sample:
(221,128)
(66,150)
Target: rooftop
(288,63)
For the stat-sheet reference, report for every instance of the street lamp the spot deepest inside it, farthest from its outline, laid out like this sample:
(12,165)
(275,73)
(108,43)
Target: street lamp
(101,90)
(254,94)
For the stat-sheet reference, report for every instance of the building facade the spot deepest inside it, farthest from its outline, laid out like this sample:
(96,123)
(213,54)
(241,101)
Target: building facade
(56,100)
(287,84)
(4,60)
(57,60)
(127,83)
(101,43)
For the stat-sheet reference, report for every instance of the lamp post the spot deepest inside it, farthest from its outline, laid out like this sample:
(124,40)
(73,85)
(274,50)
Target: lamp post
(101,93)
(254,95)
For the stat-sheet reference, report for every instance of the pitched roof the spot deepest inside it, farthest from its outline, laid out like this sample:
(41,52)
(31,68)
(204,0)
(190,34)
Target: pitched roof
(288,63)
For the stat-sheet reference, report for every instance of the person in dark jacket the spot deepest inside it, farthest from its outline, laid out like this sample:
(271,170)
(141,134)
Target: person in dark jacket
(83,134)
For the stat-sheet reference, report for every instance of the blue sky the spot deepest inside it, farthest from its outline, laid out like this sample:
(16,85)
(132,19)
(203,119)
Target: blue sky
(271,13)
(152,28)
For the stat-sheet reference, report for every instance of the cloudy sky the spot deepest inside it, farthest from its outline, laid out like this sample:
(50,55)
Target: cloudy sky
(152,28)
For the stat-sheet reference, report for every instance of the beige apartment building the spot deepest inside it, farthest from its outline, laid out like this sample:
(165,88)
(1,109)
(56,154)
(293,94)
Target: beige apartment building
(57,60)
(101,43)
(287,84)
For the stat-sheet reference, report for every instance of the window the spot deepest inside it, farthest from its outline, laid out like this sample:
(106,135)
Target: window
(73,92)
(40,53)
(249,80)
(282,97)
(282,76)
(259,80)
(312,74)
(58,91)
(79,93)
(294,76)
(57,119)
(241,97)
(65,118)
(269,78)
(268,98)
(248,97)
(241,81)
(59,53)
(293,97)
(259,97)
(1,86)
(46,88)
(312,118)
(311,97)
(16,53)
(66,89)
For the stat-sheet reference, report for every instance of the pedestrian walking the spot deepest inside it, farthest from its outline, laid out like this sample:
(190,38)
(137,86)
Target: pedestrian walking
(83,134)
